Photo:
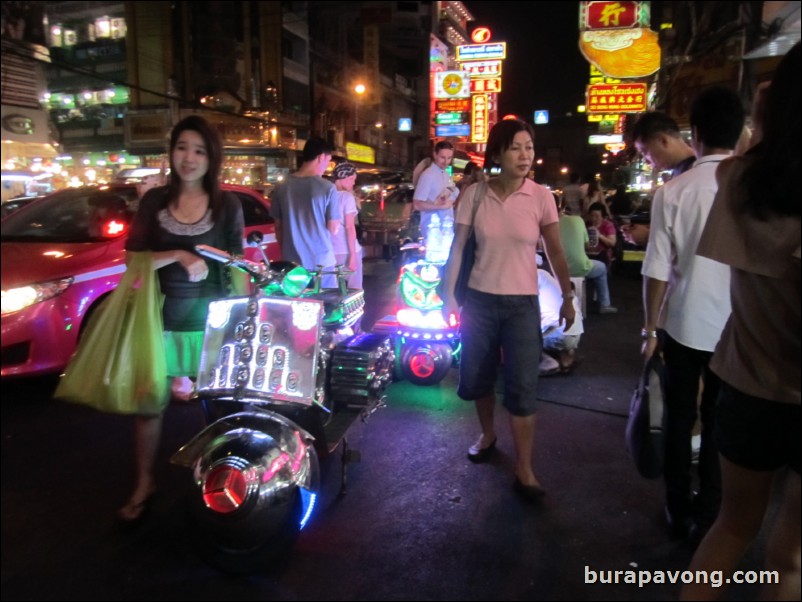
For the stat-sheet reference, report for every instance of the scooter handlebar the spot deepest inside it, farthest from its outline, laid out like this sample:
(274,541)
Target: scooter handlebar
(257,270)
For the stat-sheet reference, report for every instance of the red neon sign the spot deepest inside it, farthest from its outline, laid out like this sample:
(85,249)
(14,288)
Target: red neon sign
(611,15)
(481,35)
(480,86)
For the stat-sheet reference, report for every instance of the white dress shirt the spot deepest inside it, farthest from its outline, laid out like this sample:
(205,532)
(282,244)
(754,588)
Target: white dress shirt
(698,298)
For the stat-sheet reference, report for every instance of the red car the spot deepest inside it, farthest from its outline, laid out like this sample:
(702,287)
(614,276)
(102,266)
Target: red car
(62,254)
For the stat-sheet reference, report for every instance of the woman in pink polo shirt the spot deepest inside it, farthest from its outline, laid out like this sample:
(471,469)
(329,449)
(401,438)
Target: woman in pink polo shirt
(501,312)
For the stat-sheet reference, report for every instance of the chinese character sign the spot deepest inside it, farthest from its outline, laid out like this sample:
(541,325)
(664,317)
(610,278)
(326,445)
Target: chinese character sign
(480,86)
(616,98)
(618,15)
(615,39)
(479,118)
(482,68)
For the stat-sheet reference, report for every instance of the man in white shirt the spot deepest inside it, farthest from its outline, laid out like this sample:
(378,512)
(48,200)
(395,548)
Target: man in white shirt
(687,298)
(657,138)
(559,342)
(435,192)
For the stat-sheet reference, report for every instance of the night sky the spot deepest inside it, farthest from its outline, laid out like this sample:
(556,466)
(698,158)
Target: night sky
(544,68)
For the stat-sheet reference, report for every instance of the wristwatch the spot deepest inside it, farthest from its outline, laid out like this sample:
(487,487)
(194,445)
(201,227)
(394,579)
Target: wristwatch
(569,296)
(648,334)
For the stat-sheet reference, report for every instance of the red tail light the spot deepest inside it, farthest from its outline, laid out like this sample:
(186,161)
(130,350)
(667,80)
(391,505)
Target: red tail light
(422,363)
(225,489)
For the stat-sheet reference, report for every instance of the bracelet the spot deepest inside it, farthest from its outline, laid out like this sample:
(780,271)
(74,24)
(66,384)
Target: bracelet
(648,334)
(569,296)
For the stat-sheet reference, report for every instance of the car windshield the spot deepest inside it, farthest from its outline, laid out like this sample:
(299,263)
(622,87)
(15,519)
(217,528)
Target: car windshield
(400,196)
(79,215)
(368,181)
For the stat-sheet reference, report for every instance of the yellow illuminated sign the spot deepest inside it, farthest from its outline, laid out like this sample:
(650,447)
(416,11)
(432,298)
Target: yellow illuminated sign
(479,117)
(360,152)
(616,98)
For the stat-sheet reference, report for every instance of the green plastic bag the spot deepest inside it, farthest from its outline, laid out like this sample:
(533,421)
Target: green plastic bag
(120,364)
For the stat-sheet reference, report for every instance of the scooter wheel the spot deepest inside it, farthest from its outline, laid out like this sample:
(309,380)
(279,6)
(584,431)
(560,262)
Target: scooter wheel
(425,363)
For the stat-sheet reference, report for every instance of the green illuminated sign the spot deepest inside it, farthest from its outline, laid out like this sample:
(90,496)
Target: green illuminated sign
(450,118)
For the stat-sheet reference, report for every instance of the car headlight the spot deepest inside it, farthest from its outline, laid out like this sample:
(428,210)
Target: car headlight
(15,299)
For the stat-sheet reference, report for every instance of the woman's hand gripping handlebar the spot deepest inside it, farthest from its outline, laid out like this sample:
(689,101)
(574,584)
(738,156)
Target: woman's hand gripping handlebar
(261,273)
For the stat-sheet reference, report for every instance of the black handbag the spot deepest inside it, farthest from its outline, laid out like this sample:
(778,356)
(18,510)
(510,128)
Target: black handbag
(468,251)
(645,434)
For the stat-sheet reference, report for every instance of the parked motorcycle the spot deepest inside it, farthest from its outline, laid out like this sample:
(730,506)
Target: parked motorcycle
(282,378)
(426,342)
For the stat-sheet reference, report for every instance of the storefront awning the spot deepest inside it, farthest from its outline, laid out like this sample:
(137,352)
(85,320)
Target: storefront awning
(27,150)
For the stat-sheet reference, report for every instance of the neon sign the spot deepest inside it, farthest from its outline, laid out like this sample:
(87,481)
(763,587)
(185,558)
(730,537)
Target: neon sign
(480,52)
(481,35)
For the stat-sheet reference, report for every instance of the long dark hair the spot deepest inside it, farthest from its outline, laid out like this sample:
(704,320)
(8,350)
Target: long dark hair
(214,153)
(500,139)
(772,175)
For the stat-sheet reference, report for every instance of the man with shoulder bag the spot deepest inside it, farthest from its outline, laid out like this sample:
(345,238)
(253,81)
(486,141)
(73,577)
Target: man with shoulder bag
(686,302)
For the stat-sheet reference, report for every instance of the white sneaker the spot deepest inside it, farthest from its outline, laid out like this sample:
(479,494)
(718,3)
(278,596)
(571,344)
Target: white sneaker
(548,365)
(609,309)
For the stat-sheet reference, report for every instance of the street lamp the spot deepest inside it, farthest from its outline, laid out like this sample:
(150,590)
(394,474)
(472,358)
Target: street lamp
(360,90)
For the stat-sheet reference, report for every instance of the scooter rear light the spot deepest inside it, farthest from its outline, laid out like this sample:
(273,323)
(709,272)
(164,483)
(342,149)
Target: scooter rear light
(225,489)
(422,362)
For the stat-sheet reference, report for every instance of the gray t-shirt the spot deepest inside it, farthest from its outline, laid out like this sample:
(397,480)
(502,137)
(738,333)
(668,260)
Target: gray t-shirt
(347,205)
(305,205)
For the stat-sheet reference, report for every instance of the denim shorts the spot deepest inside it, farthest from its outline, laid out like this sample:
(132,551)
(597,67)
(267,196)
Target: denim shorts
(492,324)
(756,433)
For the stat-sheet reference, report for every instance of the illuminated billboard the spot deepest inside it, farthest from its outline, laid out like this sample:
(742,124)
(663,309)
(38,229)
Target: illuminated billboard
(491,84)
(452,130)
(617,98)
(360,152)
(479,117)
(605,138)
(622,53)
(451,84)
(608,15)
(450,118)
(456,105)
(483,68)
(481,52)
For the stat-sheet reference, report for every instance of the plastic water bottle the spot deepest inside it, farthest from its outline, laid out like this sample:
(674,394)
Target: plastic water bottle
(434,240)
(448,237)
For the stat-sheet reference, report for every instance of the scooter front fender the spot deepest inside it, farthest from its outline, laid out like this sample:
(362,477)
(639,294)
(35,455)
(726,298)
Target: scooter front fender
(257,477)
(258,437)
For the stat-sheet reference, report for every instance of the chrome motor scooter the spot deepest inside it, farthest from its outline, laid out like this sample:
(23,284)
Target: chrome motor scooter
(283,375)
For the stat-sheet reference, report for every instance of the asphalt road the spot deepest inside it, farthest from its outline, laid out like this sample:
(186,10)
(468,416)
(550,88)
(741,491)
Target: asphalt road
(420,522)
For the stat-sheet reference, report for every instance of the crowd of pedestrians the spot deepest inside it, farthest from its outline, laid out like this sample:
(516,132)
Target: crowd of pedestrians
(721,293)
